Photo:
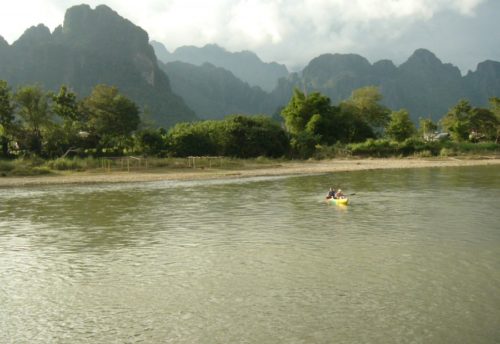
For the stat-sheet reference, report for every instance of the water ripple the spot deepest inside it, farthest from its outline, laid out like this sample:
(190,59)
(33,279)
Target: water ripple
(254,260)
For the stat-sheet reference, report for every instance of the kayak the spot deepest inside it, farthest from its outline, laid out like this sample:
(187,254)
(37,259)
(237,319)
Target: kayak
(338,201)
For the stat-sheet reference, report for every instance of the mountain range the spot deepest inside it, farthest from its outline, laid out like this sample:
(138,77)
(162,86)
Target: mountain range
(423,84)
(245,65)
(96,46)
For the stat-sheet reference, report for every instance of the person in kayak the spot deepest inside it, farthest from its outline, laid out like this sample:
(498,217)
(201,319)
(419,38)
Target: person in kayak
(331,193)
(339,194)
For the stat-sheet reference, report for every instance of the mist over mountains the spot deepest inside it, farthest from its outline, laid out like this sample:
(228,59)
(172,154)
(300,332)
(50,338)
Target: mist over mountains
(99,46)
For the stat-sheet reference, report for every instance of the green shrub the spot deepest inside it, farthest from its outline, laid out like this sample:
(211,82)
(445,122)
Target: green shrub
(446,152)
(6,166)
(371,147)
(62,164)
(330,152)
(424,154)
(25,170)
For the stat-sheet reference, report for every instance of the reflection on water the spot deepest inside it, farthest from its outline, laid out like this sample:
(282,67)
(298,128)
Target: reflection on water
(415,258)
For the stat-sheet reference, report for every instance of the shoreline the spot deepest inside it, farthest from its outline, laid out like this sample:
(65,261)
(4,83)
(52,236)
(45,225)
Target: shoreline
(278,169)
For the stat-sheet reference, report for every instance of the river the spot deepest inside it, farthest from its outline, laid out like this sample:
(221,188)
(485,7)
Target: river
(415,258)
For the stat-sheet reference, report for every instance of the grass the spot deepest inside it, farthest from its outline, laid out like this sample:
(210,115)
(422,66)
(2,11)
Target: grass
(23,167)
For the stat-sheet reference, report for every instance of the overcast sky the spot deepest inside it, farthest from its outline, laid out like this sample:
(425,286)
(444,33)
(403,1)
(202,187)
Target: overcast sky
(462,32)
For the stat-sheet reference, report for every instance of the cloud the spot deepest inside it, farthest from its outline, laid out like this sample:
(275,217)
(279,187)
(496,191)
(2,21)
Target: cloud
(297,28)
(290,31)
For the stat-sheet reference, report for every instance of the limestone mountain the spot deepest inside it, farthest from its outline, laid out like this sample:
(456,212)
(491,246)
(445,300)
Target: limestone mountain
(423,84)
(94,46)
(245,65)
(161,51)
(484,83)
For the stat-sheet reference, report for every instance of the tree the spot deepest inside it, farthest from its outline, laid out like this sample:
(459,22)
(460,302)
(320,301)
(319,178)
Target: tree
(313,118)
(185,139)
(427,128)
(235,136)
(353,127)
(457,120)
(495,108)
(34,109)
(467,123)
(483,125)
(6,116)
(111,116)
(247,137)
(366,102)
(400,126)
(150,141)
(65,104)
(302,108)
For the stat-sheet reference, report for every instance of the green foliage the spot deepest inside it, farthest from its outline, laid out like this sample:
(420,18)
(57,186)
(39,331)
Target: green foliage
(457,121)
(248,137)
(150,141)
(6,117)
(303,145)
(111,114)
(65,104)
(6,166)
(34,109)
(72,164)
(386,148)
(426,127)
(302,108)
(371,147)
(484,125)
(338,150)
(351,127)
(190,139)
(237,136)
(23,167)
(474,124)
(400,126)
(495,108)
(365,102)
(351,121)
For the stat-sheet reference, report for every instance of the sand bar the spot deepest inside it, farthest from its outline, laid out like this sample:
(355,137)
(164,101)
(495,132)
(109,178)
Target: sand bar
(278,169)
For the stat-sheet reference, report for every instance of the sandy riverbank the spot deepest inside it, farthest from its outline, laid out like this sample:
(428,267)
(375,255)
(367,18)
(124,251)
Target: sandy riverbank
(282,168)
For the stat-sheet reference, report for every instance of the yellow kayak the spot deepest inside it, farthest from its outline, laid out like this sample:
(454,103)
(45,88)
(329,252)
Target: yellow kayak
(338,201)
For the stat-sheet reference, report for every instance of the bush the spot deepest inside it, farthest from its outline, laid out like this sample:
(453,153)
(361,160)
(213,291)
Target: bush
(6,166)
(371,147)
(424,154)
(62,164)
(26,170)
(333,151)
(445,152)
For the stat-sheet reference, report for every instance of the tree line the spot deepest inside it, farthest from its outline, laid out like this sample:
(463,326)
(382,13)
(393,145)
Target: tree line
(52,124)
(313,121)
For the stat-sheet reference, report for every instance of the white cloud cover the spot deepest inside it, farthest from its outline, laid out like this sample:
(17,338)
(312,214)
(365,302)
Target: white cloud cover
(288,31)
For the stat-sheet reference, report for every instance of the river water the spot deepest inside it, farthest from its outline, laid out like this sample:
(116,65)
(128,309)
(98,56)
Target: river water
(414,259)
